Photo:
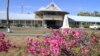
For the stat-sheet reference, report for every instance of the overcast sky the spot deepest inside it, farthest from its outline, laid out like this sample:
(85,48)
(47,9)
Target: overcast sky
(71,6)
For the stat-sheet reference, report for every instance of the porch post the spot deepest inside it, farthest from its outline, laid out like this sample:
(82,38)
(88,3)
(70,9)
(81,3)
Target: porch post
(25,23)
(37,23)
(13,22)
(34,23)
(43,23)
(81,25)
(95,23)
(31,23)
(19,21)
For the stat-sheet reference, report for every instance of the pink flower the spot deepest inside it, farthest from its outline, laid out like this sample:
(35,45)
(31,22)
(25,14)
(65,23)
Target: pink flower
(2,35)
(44,52)
(55,50)
(54,43)
(61,41)
(46,40)
(32,49)
(37,36)
(76,35)
(73,42)
(94,39)
(68,45)
(54,46)
(85,50)
(36,43)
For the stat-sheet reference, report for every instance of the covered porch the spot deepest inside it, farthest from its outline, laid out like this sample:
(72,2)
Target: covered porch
(83,21)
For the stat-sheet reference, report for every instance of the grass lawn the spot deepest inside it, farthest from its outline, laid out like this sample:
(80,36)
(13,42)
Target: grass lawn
(31,31)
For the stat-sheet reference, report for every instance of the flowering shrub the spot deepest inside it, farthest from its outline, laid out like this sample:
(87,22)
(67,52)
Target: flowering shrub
(63,42)
(5,44)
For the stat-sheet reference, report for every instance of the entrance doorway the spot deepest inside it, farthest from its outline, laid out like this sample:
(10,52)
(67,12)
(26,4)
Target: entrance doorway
(51,24)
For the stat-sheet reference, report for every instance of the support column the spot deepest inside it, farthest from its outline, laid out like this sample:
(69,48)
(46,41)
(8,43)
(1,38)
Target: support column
(34,23)
(43,23)
(25,23)
(31,23)
(13,23)
(95,23)
(0,21)
(86,23)
(90,23)
(81,24)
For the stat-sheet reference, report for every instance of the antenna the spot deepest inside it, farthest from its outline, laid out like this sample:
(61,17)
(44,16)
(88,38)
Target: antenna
(22,8)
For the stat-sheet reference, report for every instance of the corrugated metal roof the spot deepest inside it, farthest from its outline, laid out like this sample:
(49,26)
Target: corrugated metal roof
(84,18)
(51,7)
(41,9)
(16,16)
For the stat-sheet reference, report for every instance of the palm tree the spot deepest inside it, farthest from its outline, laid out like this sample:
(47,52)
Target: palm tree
(8,23)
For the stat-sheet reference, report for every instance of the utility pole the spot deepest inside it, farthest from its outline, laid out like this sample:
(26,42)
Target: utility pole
(8,22)
(22,8)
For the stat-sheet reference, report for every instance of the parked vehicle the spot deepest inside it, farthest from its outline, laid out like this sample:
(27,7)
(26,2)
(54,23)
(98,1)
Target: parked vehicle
(95,26)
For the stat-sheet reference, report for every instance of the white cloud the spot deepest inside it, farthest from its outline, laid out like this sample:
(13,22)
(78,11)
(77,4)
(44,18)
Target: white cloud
(2,11)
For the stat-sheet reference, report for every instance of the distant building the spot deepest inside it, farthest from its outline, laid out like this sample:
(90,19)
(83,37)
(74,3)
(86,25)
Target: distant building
(48,17)
(51,15)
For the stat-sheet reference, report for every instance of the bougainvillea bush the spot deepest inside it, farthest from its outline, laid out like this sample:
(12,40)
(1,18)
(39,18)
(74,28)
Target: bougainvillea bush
(5,44)
(65,42)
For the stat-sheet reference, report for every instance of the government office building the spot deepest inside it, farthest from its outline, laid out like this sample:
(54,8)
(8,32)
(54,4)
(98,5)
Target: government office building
(50,16)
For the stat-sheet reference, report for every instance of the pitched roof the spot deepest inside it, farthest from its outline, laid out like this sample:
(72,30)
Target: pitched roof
(51,7)
(84,18)
(41,8)
(18,16)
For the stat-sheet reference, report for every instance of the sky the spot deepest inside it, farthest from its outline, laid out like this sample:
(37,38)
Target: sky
(71,6)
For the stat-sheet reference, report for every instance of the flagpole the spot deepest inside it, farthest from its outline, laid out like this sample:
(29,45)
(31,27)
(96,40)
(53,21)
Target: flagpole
(8,22)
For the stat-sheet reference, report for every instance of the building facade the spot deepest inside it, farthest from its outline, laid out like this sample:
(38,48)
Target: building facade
(50,16)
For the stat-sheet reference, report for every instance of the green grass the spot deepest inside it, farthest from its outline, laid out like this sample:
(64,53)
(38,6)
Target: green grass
(31,31)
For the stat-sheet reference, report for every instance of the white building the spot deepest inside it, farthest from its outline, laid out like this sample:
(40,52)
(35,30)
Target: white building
(46,17)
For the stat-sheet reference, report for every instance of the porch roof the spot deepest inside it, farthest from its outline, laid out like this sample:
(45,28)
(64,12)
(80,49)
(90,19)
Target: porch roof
(18,16)
(84,18)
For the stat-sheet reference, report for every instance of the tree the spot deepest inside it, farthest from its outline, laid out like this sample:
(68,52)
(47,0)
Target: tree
(83,14)
(95,14)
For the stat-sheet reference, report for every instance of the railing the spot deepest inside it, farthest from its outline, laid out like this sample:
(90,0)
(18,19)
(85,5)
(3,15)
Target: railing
(48,17)
(51,17)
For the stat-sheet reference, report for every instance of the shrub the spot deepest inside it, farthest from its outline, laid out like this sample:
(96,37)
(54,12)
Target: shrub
(63,43)
(86,26)
(18,25)
(5,44)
